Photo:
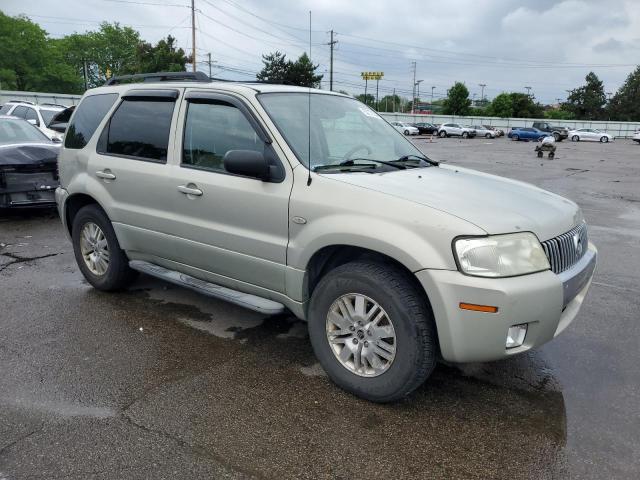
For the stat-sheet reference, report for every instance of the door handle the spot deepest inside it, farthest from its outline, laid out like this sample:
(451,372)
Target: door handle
(190,189)
(106,174)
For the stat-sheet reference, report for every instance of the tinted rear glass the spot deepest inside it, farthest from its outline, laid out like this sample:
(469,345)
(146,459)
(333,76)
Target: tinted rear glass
(140,128)
(87,117)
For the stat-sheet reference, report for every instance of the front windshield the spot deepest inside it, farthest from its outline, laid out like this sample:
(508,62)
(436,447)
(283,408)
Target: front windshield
(19,131)
(342,129)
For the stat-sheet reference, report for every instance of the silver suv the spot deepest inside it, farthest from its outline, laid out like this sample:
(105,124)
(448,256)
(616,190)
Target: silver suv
(239,191)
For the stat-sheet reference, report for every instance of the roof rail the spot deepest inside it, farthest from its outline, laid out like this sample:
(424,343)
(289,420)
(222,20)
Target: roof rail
(160,77)
(53,105)
(21,101)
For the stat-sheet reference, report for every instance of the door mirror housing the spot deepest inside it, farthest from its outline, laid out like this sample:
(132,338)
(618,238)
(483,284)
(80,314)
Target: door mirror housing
(32,121)
(248,163)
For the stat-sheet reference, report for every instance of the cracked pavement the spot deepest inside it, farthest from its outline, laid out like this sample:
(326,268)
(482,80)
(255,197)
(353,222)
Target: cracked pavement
(160,382)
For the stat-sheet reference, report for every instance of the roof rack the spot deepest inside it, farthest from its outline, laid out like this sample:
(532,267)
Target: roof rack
(53,105)
(21,101)
(160,77)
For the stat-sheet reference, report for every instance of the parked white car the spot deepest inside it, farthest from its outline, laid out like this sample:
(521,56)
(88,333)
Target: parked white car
(482,131)
(455,130)
(590,134)
(38,115)
(405,128)
(636,136)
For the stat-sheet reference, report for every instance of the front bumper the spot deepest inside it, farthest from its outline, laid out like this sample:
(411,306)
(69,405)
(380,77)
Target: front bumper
(547,302)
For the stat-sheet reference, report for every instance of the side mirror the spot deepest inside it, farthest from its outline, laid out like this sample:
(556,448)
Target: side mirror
(248,163)
(33,121)
(56,139)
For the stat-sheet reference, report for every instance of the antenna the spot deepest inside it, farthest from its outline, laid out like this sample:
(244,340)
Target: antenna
(309,123)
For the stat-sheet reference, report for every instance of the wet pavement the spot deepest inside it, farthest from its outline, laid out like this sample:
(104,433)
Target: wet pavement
(159,382)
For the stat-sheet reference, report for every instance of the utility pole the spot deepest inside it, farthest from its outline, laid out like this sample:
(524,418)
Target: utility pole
(377,104)
(528,89)
(482,85)
(84,71)
(331,45)
(418,92)
(432,89)
(394,100)
(209,62)
(413,100)
(193,34)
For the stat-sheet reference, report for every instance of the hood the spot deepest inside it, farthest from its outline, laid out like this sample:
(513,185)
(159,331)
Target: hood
(494,204)
(29,154)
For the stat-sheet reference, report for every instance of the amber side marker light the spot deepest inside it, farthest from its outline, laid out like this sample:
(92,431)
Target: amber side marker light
(478,308)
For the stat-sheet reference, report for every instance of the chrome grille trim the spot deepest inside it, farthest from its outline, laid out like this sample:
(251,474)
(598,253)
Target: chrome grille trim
(561,250)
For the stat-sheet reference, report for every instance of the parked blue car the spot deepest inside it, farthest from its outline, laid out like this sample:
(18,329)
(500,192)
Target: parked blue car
(522,133)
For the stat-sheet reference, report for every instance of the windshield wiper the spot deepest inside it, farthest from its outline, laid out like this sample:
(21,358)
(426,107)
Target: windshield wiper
(352,163)
(406,158)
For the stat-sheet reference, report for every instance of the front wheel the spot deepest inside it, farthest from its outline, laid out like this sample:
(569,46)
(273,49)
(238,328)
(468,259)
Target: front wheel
(575,138)
(488,135)
(556,137)
(604,139)
(97,252)
(465,134)
(516,137)
(406,132)
(372,330)
(442,134)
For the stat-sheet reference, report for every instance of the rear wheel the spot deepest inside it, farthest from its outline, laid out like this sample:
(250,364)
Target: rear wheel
(372,330)
(556,137)
(604,139)
(442,134)
(465,134)
(406,132)
(575,138)
(488,135)
(97,252)
(516,137)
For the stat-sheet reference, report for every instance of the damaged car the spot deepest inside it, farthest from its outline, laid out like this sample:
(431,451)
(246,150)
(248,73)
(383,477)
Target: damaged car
(28,165)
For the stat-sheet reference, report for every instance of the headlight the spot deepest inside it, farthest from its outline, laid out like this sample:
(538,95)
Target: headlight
(501,255)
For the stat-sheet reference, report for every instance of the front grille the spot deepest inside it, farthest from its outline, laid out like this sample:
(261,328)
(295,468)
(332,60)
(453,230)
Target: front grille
(565,250)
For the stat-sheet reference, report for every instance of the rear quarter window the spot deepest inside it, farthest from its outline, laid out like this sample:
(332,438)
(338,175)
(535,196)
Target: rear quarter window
(87,117)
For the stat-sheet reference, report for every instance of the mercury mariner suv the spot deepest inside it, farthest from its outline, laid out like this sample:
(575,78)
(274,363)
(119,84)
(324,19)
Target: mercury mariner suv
(286,198)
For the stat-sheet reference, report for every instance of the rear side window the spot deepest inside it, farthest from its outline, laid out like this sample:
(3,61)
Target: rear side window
(87,117)
(32,115)
(5,109)
(139,128)
(19,112)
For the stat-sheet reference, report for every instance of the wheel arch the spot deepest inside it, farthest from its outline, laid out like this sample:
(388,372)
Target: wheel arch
(73,204)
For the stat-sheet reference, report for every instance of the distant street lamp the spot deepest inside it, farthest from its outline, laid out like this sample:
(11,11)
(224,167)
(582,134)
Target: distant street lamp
(482,85)
(417,84)
(432,89)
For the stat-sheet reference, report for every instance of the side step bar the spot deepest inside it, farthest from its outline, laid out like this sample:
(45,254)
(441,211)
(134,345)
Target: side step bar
(252,302)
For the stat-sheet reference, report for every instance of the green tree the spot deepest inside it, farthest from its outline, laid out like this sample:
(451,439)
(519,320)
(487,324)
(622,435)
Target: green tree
(558,114)
(367,99)
(501,106)
(625,104)
(303,73)
(457,101)
(587,102)
(163,57)
(392,103)
(515,105)
(23,52)
(276,68)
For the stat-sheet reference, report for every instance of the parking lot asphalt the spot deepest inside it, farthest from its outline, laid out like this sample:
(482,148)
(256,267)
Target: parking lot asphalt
(159,382)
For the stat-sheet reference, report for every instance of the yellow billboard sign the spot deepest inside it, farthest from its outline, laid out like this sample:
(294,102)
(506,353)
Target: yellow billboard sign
(372,75)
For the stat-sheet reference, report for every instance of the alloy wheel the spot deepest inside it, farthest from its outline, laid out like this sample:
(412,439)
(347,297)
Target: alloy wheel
(94,248)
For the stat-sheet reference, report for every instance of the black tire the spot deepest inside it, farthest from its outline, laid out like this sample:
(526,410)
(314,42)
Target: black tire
(575,138)
(556,137)
(408,310)
(515,138)
(406,132)
(540,154)
(118,274)
(465,134)
(604,139)
(487,135)
(442,134)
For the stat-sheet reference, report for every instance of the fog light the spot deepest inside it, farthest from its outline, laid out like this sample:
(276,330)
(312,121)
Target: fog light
(515,335)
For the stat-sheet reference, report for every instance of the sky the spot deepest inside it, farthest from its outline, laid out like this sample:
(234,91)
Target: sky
(505,44)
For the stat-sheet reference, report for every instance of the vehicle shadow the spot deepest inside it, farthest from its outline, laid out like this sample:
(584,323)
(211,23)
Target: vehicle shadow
(269,407)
